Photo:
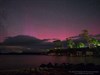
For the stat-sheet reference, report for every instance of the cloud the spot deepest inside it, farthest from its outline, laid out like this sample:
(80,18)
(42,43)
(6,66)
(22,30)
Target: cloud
(22,40)
(28,41)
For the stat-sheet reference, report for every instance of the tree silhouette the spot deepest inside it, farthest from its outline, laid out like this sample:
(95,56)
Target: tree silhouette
(98,43)
(86,36)
(70,43)
(94,42)
(57,43)
(80,45)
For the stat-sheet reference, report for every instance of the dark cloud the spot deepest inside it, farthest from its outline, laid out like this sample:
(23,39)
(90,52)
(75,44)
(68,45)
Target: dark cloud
(23,40)
(27,41)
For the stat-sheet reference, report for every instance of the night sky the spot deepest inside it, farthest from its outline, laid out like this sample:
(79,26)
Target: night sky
(48,19)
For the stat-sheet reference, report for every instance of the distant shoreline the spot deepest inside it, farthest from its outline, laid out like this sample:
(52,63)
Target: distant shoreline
(42,54)
(22,53)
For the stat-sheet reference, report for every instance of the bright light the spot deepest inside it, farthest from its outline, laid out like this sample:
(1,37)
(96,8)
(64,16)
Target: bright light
(99,44)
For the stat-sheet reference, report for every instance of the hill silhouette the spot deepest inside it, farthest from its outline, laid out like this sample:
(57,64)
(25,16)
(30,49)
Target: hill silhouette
(22,40)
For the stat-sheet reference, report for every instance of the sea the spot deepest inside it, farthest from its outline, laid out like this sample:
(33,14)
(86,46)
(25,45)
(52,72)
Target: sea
(26,61)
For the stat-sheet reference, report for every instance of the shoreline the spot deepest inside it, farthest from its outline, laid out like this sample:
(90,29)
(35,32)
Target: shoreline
(91,69)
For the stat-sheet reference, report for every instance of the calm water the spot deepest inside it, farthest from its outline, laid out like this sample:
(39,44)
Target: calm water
(20,61)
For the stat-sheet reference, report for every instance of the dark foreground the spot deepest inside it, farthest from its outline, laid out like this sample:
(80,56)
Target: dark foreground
(57,69)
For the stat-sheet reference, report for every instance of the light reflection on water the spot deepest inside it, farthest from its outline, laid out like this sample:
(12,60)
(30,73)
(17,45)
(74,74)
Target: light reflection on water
(19,61)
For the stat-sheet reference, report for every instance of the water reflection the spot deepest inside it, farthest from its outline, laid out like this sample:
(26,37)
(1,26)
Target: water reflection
(15,61)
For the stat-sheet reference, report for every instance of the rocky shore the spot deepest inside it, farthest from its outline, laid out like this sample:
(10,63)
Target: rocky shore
(57,69)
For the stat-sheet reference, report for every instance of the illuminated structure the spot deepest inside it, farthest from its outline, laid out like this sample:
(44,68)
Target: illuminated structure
(98,43)
(94,42)
(58,44)
(86,36)
(70,43)
(80,45)
(78,49)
